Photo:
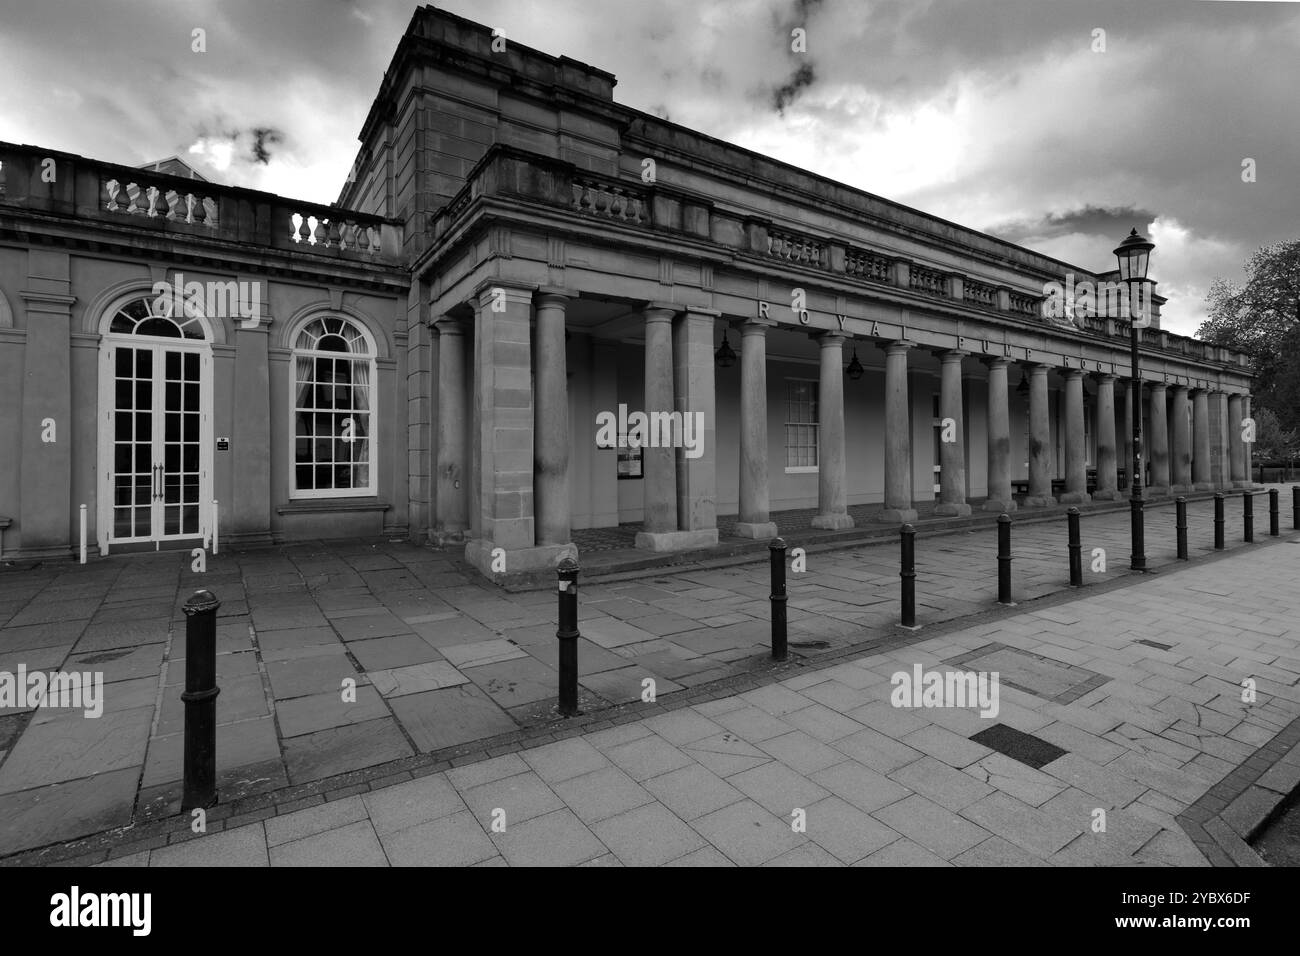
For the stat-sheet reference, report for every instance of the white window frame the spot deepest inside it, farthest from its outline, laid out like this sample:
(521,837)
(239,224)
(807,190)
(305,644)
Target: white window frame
(372,354)
(802,469)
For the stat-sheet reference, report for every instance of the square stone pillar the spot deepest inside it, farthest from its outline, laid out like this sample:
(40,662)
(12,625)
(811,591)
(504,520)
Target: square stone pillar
(1220,467)
(502,441)
(1126,432)
(47,518)
(451,453)
(248,514)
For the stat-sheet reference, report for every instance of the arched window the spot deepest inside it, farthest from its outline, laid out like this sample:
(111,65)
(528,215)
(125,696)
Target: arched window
(156,316)
(334,447)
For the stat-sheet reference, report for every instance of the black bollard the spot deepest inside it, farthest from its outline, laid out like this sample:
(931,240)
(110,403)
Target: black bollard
(1076,558)
(1218,521)
(1004,559)
(777,551)
(1180,525)
(199,788)
(568,636)
(908,574)
(1272,513)
(1295,507)
(1248,516)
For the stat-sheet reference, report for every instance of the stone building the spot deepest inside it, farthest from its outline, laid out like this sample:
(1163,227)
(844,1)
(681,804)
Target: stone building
(514,259)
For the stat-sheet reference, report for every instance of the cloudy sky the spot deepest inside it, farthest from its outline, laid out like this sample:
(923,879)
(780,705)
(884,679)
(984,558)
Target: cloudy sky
(1003,115)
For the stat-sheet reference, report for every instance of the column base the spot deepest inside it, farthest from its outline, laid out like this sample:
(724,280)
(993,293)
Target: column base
(897,515)
(1238,485)
(1106,494)
(1000,506)
(1204,486)
(832,522)
(756,529)
(1075,498)
(1183,489)
(516,560)
(1158,491)
(677,540)
(1039,501)
(952,509)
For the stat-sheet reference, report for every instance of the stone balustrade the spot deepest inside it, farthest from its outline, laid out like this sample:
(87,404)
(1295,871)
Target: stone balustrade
(69,185)
(927,281)
(794,247)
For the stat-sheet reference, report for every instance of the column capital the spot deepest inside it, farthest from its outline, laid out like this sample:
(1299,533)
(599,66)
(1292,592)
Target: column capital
(829,339)
(563,291)
(895,347)
(450,325)
(552,297)
(657,312)
(1157,385)
(995,361)
(951,355)
(1106,378)
(750,326)
(1071,373)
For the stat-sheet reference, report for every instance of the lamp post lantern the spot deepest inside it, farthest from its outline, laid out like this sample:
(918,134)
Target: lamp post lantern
(1134,255)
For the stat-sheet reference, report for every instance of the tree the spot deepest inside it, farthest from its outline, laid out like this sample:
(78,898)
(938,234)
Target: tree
(1262,319)
(1271,440)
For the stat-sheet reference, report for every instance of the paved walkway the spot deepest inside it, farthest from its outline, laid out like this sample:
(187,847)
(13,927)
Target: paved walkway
(1132,700)
(440,658)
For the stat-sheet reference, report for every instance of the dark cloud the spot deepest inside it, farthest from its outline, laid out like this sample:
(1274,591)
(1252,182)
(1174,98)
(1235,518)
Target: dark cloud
(262,138)
(787,92)
(1088,219)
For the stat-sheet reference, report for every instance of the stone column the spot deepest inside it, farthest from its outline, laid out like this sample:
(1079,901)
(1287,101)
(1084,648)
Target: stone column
(1107,481)
(1158,440)
(658,465)
(1126,433)
(1076,459)
(898,438)
(452,464)
(999,421)
(1202,476)
(696,401)
(604,461)
(505,542)
(1040,441)
(1236,447)
(952,454)
(551,423)
(832,508)
(755,520)
(1181,442)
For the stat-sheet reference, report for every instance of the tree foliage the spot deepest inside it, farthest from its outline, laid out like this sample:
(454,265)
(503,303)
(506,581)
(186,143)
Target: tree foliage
(1262,318)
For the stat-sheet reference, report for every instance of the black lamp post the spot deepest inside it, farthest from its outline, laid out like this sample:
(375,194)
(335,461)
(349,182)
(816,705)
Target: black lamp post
(1134,255)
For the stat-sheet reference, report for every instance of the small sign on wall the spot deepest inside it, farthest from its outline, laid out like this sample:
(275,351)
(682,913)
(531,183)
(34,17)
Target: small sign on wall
(223,444)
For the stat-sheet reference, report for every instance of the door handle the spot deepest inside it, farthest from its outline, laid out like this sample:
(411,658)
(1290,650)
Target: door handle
(157,482)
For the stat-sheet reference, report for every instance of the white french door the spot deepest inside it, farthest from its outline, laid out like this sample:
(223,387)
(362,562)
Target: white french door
(155,441)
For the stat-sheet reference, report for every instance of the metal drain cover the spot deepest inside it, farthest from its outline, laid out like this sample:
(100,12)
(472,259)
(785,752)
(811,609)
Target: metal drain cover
(1026,748)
